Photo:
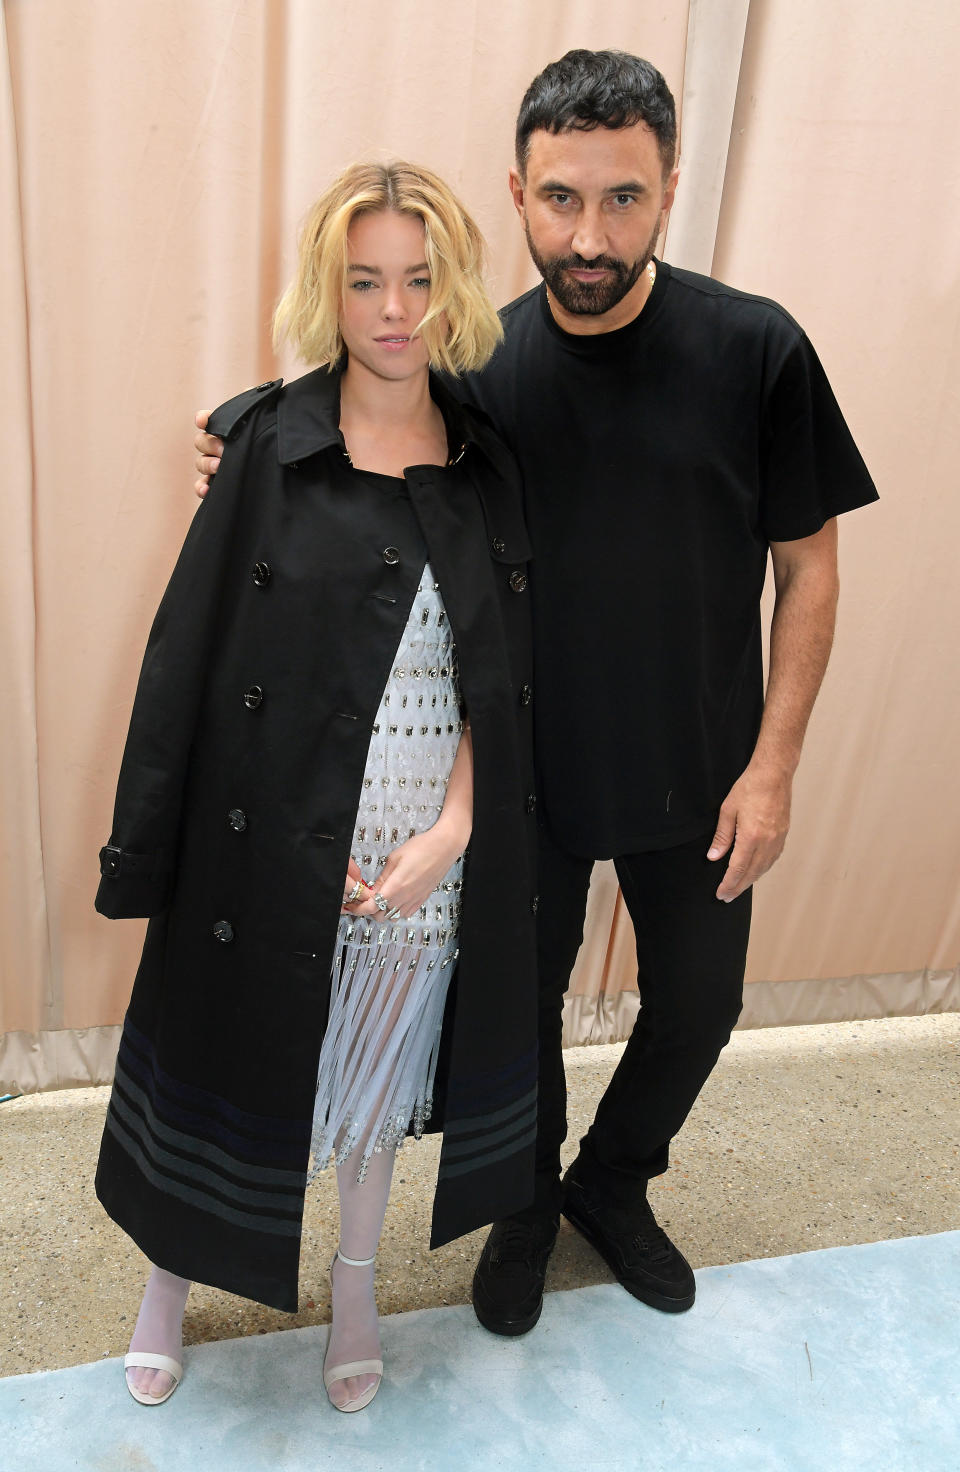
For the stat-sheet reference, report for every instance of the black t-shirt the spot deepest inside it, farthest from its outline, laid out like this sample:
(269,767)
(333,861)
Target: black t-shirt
(659,461)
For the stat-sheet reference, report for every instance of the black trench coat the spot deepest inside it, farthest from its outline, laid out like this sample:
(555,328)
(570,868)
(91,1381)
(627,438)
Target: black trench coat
(234,819)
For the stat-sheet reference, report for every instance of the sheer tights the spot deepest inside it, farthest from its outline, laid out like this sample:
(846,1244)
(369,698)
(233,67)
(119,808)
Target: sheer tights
(354,1333)
(159,1330)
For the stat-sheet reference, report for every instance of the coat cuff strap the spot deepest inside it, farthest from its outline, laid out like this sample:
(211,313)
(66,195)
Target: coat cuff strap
(115,861)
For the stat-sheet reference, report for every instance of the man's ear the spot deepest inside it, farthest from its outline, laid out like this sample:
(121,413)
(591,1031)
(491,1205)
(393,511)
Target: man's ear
(516,189)
(669,192)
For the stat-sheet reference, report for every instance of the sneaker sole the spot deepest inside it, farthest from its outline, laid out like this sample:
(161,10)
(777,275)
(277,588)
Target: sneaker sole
(507,1328)
(649,1296)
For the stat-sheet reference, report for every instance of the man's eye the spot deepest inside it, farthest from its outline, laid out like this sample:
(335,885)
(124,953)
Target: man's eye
(560,198)
(624,199)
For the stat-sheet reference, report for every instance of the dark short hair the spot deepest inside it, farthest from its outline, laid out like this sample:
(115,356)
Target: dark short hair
(598,89)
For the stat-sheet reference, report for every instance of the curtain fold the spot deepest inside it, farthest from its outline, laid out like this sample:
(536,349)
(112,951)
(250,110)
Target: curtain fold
(28,997)
(711,76)
(608,1016)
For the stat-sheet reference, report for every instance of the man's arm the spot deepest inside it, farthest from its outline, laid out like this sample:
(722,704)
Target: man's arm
(209,450)
(755,815)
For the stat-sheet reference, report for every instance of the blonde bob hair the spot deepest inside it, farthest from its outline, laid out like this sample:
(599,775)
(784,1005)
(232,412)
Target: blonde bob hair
(460,328)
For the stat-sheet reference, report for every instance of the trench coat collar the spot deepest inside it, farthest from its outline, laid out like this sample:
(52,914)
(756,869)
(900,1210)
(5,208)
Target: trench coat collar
(308,416)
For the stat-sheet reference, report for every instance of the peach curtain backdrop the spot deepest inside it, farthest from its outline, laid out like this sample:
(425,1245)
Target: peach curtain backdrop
(155,161)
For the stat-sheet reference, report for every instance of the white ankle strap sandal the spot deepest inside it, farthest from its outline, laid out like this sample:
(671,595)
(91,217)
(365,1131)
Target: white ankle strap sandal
(140,1359)
(352,1367)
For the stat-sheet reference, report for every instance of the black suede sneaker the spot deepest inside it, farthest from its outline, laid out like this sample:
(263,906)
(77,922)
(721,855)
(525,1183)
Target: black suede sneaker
(508,1283)
(635,1248)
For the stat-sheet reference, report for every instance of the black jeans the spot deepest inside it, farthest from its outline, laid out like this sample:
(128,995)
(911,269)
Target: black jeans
(691,950)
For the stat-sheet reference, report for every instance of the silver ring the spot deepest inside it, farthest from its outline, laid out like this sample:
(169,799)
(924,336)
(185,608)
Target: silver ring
(380,903)
(393,914)
(354,893)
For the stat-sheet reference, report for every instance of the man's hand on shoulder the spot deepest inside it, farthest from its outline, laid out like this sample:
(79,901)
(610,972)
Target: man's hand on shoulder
(209,449)
(754,820)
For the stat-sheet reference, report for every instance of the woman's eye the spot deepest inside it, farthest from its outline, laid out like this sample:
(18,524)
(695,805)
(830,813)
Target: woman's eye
(421,281)
(362,285)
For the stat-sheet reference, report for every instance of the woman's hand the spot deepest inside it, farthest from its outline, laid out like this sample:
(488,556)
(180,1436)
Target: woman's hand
(353,878)
(413,871)
(415,868)
(209,450)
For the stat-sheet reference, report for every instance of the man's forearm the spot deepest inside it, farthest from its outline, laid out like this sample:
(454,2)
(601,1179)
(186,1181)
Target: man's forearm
(801,637)
(755,815)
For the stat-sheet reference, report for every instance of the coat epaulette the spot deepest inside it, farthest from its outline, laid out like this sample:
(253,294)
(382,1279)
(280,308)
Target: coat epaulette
(226,420)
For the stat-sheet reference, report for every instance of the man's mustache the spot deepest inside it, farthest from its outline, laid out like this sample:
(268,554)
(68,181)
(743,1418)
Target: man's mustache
(599,263)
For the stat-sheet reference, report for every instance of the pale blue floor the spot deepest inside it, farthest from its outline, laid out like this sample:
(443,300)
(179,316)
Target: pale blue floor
(822,1362)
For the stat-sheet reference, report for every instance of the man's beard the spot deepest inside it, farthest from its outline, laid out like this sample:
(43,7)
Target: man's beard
(591,298)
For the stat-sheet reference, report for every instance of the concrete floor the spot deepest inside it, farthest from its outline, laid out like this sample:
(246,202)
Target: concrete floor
(842,1360)
(804,1137)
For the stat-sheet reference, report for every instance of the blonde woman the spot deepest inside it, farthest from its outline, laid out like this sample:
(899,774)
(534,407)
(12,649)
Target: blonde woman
(335,700)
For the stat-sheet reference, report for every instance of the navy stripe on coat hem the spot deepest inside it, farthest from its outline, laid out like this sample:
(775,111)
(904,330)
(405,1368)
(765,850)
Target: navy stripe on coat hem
(169,1160)
(262,1130)
(479,1124)
(170,1185)
(199,1149)
(464,1167)
(480,1144)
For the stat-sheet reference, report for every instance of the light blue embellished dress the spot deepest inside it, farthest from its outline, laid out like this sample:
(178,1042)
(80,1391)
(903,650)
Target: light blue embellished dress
(390,978)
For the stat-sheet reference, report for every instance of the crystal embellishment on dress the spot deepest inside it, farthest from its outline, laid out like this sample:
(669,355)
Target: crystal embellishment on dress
(389,984)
